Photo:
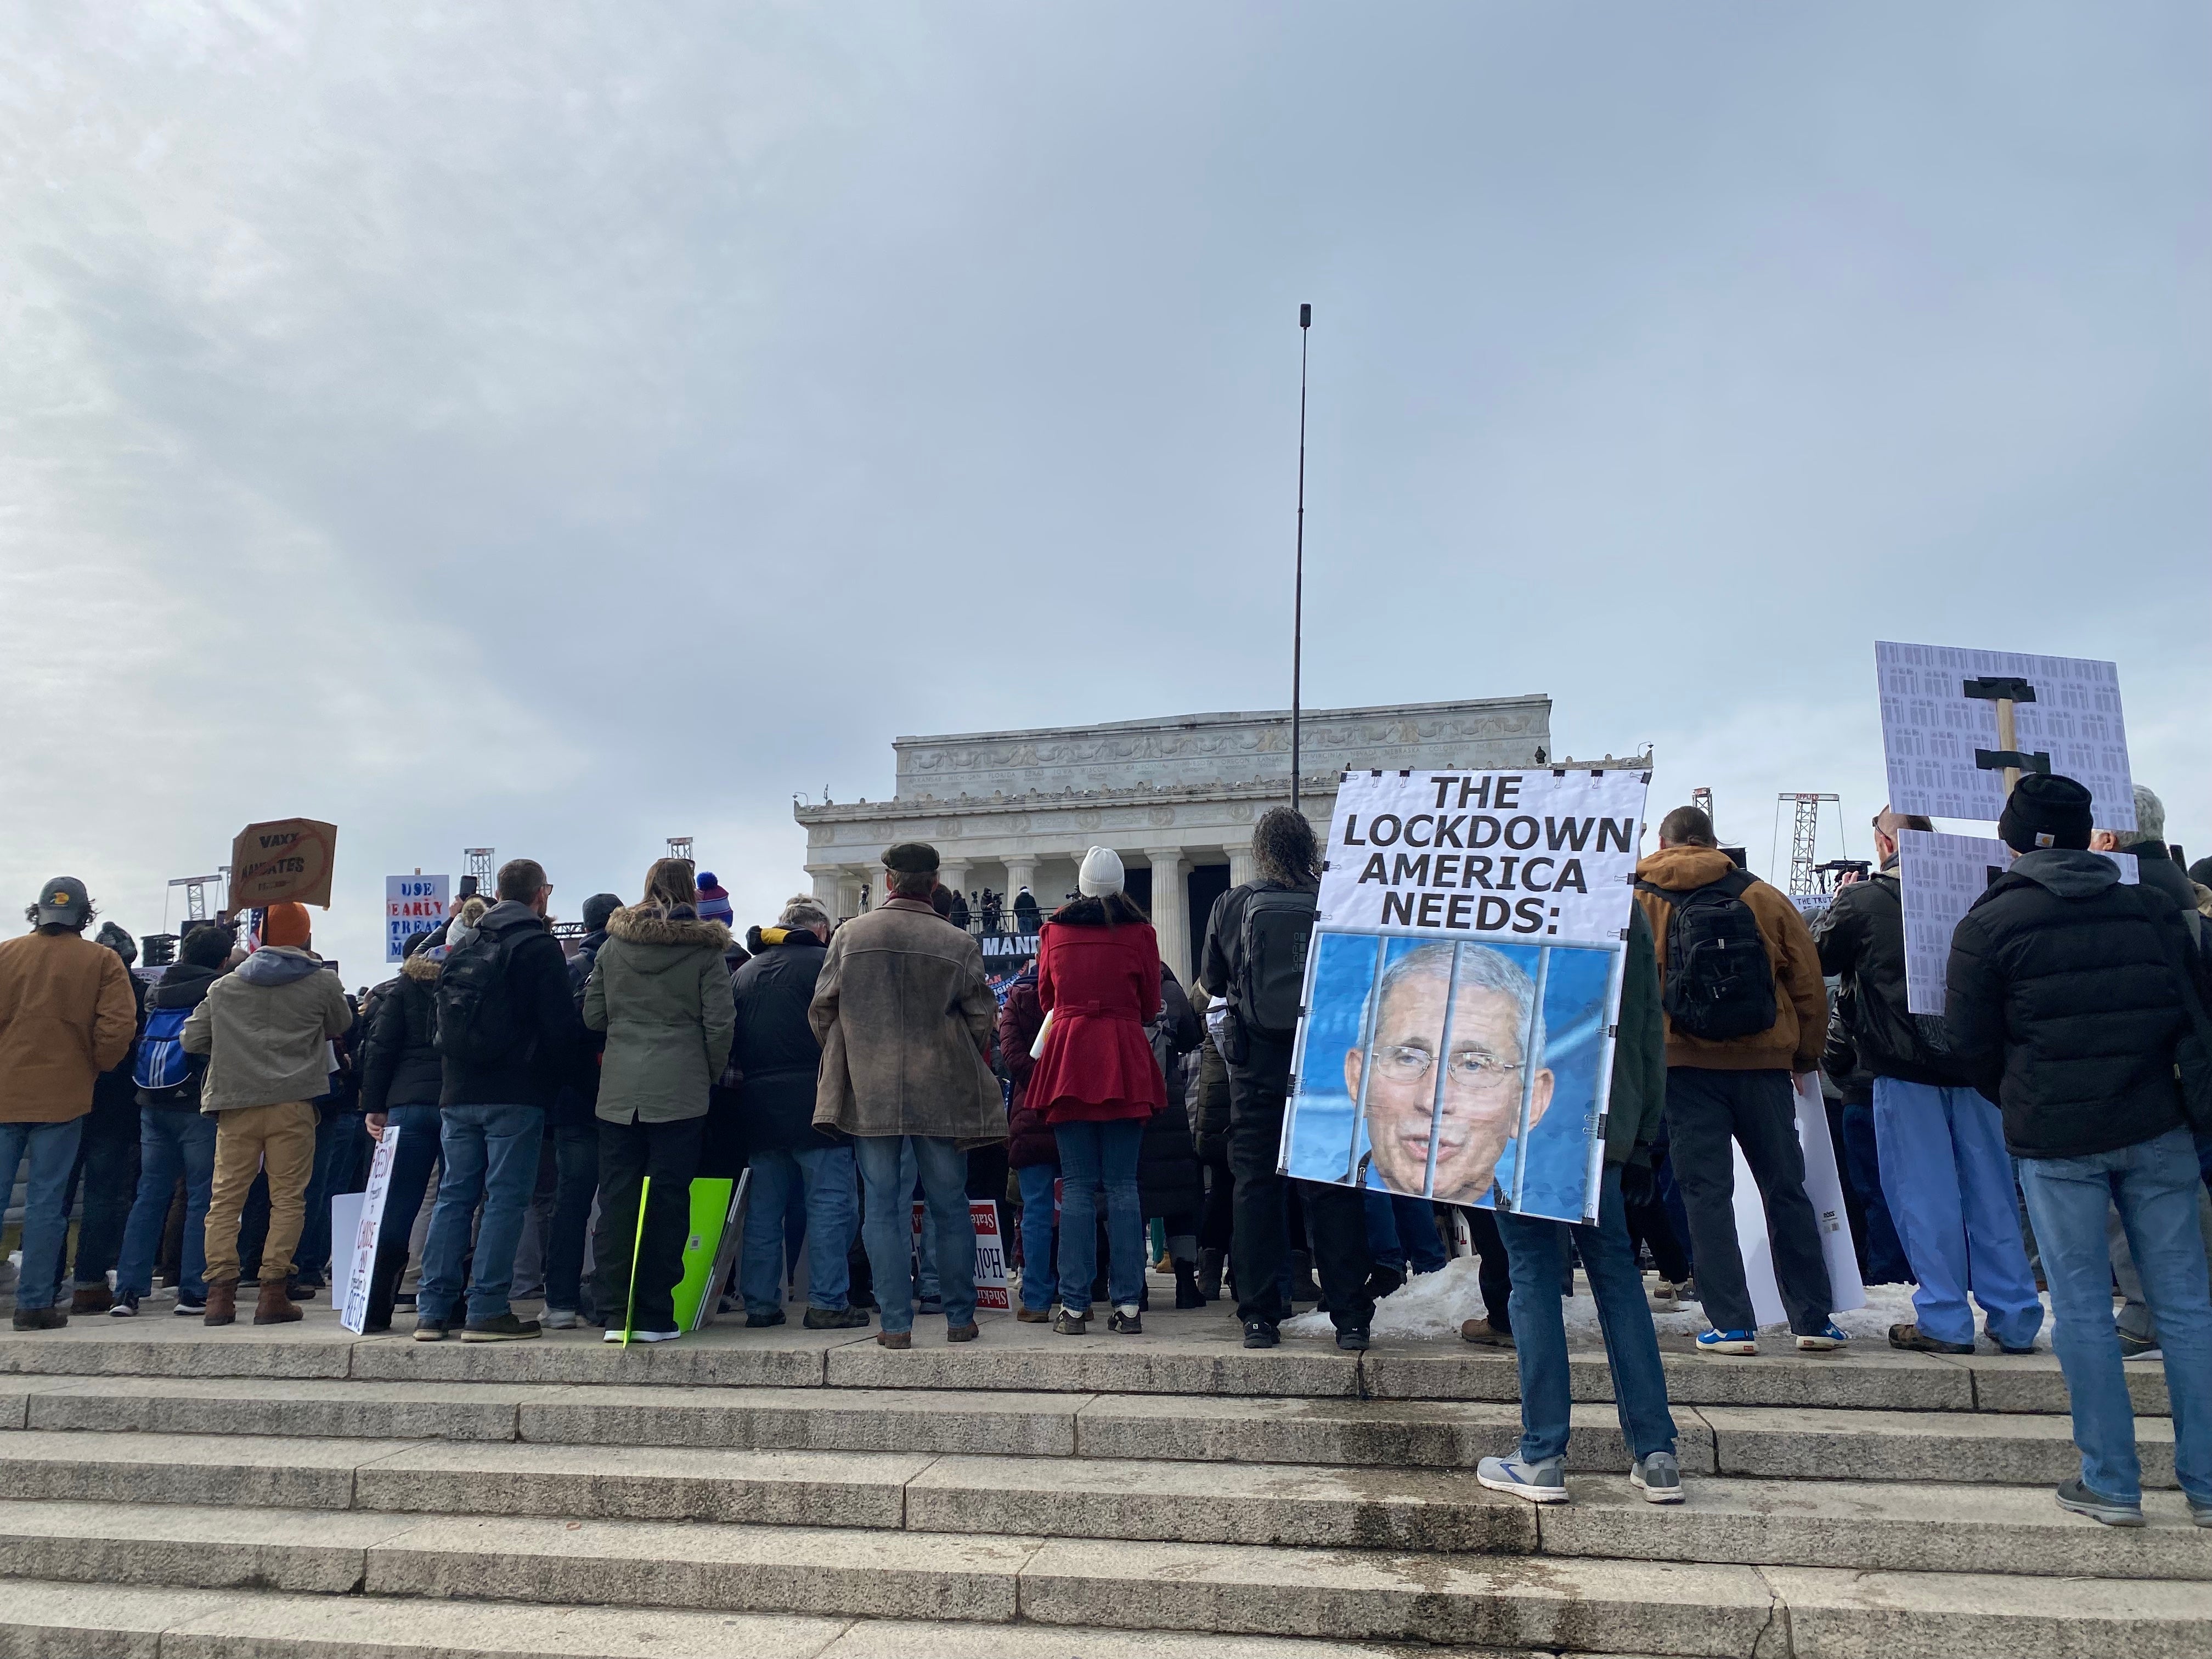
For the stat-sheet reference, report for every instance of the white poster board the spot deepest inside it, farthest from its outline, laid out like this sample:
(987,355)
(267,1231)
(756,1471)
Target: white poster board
(1932,731)
(1463,986)
(990,1253)
(412,905)
(1825,1187)
(1940,877)
(362,1219)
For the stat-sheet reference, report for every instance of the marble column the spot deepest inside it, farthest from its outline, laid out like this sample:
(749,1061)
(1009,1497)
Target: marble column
(849,878)
(1171,911)
(825,879)
(1240,864)
(953,874)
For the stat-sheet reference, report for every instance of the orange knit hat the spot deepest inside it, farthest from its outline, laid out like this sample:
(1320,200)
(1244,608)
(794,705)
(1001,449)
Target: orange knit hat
(285,924)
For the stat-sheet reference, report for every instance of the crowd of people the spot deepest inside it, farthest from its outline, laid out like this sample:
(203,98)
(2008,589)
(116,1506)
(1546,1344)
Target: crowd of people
(2053,1128)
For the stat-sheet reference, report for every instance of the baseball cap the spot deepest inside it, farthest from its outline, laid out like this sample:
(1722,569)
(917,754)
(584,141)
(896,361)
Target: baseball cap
(64,899)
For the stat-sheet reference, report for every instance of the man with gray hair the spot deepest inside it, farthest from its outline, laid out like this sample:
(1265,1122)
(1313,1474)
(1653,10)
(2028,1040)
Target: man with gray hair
(776,1057)
(2157,873)
(1476,1008)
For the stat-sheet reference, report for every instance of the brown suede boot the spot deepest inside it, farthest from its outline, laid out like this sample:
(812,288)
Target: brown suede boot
(275,1308)
(221,1302)
(91,1298)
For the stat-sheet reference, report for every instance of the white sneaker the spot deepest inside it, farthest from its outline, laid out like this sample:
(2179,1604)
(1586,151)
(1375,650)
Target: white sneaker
(559,1319)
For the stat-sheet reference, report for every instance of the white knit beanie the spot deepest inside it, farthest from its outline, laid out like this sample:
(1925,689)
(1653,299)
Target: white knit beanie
(1100,873)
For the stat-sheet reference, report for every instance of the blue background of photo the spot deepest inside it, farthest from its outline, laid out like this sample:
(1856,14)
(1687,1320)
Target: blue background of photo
(1321,1114)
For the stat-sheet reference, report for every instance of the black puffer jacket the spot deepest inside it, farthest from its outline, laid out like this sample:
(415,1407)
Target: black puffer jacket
(776,1048)
(1168,1177)
(1861,939)
(2063,1008)
(399,1063)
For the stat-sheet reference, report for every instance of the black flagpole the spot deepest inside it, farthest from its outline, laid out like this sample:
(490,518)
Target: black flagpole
(1299,578)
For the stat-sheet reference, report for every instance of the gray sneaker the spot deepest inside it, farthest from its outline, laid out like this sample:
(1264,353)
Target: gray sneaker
(1658,1477)
(1540,1483)
(559,1319)
(2074,1496)
(2200,1513)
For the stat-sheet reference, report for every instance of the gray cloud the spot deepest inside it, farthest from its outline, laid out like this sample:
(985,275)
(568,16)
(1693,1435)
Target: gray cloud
(563,427)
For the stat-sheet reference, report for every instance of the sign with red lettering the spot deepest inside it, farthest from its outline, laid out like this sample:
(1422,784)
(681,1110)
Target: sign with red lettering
(412,905)
(286,862)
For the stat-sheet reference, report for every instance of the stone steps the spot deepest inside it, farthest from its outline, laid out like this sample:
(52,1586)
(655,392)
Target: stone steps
(1599,1606)
(1855,1524)
(1184,1354)
(1948,1448)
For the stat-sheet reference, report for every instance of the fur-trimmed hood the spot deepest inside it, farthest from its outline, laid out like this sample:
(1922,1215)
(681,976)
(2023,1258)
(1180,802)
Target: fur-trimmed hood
(422,966)
(648,924)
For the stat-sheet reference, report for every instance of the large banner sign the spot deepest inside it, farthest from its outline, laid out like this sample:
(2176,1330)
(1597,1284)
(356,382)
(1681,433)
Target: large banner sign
(1463,986)
(1947,715)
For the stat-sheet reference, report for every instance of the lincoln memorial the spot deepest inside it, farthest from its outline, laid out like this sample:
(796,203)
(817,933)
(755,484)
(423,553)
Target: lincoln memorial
(1175,797)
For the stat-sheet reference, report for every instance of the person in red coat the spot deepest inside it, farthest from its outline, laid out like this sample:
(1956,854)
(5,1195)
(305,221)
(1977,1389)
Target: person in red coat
(1096,1082)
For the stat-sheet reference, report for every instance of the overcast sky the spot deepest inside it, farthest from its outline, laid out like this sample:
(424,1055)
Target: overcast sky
(560,427)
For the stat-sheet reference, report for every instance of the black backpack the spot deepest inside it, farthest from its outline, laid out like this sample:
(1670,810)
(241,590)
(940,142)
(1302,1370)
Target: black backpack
(1720,980)
(476,1018)
(1275,929)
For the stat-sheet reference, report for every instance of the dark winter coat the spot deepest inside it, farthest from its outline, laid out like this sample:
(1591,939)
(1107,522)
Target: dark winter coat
(1029,1138)
(1209,1106)
(1100,987)
(1221,968)
(544,1047)
(1636,1103)
(2063,1008)
(184,986)
(400,1065)
(1860,940)
(1168,1173)
(114,1095)
(776,1049)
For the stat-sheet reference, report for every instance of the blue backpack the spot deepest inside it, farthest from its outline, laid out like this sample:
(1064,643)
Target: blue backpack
(162,1062)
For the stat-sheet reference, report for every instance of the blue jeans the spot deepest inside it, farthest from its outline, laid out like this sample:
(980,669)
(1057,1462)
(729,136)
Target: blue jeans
(50,1151)
(341,1166)
(419,1136)
(2154,1183)
(925,1255)
(491,1153)
(888,1228)
(1401,1233)
(170,1143)
(1040,1282)
(1537,1250)
(822,1179)
(1092,1155)
(1948,1182)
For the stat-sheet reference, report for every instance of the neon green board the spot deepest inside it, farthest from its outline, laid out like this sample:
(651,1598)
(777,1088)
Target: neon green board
(710,1213)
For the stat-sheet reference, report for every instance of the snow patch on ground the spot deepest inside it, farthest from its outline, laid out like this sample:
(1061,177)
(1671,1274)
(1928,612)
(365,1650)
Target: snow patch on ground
(1436,1304)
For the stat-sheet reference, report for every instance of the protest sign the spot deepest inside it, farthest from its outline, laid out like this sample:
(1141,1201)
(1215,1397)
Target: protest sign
(990,1252)
(709,1247)
(288,861)
(1481,916)
(362,1222)
(1940,876)
(412,904)
(1825,1187)
(1944,715)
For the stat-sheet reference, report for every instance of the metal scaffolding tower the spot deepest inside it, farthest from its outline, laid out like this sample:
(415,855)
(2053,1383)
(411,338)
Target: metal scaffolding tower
(476,862)
(1804,835)
(196,888)
(1702,798)
(679,847)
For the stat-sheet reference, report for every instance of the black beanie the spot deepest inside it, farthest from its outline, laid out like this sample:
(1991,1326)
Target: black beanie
(598,909)
(2045,810)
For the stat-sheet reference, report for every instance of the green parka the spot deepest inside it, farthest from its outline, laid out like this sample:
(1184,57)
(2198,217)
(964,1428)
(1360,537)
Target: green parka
(660,991)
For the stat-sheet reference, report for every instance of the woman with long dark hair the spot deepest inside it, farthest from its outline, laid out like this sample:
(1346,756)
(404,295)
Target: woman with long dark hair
(1096,1083)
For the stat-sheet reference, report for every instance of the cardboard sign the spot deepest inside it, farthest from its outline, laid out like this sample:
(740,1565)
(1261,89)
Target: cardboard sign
(1940,876)
(1940,729)
(363,1226)
(990,1252)
(412,905)
(286,862)
(1826,1189)
(1463,986)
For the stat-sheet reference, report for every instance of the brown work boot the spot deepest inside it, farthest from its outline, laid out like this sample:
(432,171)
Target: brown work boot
(275,1308)
(221,1302)
(1483,1333)
(91,1298)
